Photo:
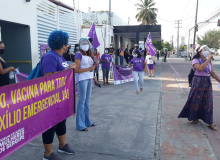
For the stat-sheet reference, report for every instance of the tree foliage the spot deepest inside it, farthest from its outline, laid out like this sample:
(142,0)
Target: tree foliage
(167,46)
(160,45)
(211,38)
(147,13)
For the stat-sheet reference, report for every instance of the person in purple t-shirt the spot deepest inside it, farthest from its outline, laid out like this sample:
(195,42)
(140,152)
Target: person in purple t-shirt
(138,69)
(200,100)
(106,59)
(52,62)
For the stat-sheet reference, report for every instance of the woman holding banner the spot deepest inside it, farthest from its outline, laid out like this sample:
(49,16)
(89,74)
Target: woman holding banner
(53,62)
(106,59)
(138,70)
(84,76)
(4,71)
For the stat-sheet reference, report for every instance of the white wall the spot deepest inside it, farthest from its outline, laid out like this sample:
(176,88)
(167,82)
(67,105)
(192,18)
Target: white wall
(103,33)
(22,12)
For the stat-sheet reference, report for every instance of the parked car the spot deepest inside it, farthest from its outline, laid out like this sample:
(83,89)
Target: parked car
(183,54)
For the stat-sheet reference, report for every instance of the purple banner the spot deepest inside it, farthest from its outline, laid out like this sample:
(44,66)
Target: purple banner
(30,108)
(149,45)
(92,34)
(43,48)
(122,74)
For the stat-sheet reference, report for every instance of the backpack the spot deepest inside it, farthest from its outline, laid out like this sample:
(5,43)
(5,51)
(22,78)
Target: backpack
(190,76)
(36,73)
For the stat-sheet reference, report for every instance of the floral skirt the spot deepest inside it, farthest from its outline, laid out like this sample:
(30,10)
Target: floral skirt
(200,101)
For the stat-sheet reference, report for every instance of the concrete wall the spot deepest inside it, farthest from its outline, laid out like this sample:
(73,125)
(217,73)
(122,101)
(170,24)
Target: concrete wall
(22,12)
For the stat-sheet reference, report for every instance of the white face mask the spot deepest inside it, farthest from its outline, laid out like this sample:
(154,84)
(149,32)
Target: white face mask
(106,51)
(85,47)
(205,54)
(77,48)
(135,55)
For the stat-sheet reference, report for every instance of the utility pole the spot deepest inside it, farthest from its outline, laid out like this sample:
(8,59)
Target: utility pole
(172,43)
(195,29)
(179,25)
(110,12)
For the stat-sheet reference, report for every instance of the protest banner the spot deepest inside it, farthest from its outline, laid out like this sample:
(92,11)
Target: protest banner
(122,74)
(31,107)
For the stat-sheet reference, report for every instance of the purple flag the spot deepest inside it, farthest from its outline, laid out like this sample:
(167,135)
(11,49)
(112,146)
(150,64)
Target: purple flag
(92,34)
(149,46)
(21,77)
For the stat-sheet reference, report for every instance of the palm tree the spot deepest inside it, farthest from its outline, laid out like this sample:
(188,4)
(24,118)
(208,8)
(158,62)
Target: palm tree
(147,13)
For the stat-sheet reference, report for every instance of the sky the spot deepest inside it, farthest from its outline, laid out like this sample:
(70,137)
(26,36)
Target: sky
(169,11)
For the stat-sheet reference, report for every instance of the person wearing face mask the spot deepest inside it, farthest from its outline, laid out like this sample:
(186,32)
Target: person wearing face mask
(53,62)
(106,59)
(138,69)
(136,47)
(84,76)
(200,100)
(150,63)
(4,71)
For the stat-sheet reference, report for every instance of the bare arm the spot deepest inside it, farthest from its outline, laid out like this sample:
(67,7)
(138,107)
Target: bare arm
(130,66)
(204,65)
(215,76)
(4,71)
(81,70)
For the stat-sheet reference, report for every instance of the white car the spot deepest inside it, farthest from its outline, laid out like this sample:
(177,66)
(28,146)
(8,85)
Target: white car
(183,54)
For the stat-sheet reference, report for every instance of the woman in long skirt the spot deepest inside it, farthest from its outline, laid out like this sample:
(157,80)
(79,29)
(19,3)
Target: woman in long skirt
(200,100)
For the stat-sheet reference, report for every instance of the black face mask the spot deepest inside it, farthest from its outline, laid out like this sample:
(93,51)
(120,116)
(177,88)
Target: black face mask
(2,51)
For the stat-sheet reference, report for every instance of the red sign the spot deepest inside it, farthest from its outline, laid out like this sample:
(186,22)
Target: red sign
(194,46)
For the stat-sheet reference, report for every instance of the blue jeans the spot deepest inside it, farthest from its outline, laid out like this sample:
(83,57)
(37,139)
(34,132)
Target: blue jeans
(121,60)
(82,114)
(96,72)
(165,57)
(139,74)
(105,72)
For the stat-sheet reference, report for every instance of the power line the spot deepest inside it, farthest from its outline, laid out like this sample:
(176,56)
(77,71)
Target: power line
(185,8)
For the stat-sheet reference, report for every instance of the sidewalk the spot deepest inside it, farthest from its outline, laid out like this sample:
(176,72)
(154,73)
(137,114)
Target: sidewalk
(129,126)
(180,139)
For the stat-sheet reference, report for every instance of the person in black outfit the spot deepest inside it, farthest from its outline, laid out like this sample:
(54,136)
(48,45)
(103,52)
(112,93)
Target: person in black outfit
(130,54)
(68,56)
(4,71)
(126,55)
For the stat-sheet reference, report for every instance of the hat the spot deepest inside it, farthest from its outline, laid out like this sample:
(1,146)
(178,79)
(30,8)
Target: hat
(136,45)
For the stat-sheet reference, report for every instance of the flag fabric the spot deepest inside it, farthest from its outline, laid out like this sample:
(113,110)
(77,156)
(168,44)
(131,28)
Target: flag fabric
(92,34)
(149,45)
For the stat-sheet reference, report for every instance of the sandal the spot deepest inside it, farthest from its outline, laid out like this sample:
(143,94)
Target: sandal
(149,76)
(212,126)
(93,125)
(98,84)
(141,89)
(86,129)
(137,93)
(196,121)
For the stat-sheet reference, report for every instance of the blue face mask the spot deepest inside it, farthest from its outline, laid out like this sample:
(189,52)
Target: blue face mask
(205,54)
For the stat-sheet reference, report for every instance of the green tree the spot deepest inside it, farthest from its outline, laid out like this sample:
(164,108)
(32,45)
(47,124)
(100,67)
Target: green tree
(183,48)
(167,46)
(158,45)
(211,38)
(147,13)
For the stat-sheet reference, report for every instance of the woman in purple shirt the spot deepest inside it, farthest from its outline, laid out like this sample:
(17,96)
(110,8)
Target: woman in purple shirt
(138,69)
(200,100)
(106,59)
(53,62)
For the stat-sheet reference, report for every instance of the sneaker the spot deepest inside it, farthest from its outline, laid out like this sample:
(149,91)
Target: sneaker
(66,149)
(52,156)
